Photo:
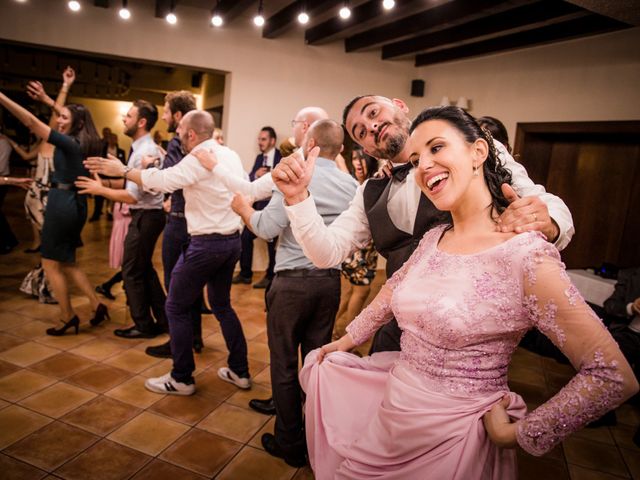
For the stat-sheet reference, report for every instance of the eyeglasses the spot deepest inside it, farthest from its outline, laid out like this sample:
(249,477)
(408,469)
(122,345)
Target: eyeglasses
(293,122)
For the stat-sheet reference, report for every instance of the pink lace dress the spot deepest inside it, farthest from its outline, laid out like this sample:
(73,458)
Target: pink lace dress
(418,413)
(121,221)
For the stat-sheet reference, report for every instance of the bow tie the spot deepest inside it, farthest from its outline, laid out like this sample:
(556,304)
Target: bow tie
(400,173)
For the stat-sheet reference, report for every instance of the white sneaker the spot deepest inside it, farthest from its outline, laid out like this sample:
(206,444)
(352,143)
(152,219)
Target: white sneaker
(167,384)
(229,375)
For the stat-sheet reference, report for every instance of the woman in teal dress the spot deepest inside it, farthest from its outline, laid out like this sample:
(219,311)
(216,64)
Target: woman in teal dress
(66,212)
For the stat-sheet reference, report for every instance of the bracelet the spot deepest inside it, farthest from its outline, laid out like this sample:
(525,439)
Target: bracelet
(127,169)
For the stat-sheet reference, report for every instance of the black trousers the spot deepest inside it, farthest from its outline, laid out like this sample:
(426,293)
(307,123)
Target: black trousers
(246,254)
(7,239)
(629,343)
(387,338)
(141,283)
(300,316)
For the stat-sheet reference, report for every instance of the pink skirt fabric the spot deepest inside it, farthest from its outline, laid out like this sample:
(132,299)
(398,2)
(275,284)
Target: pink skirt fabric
(374,417)
(121,221)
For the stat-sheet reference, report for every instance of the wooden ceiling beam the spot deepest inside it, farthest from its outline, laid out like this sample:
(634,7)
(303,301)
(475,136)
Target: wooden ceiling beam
(281,21)
(230,9)
(362,13)
(581,27)
(515,18)
(453,11)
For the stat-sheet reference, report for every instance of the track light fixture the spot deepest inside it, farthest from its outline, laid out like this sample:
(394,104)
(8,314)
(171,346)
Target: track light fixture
(124,12)
(74,5)
(258,20)
(345,11)
(388,4)
(171,16)
(216,18)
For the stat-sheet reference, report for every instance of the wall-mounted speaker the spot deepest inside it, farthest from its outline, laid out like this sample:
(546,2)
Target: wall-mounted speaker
(417,88)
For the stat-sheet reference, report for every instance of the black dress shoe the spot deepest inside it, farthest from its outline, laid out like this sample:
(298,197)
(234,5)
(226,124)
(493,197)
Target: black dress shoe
(132,332)
(263,406)
(272,448)
(160,351)
(264,283)
(240,279)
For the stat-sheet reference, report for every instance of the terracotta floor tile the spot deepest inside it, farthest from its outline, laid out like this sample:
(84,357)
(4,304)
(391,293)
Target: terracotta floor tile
(241,397)
(534,468)
(189,410)
(201,452)
(253,463)
(599,434)
(4,404)
(31,330)
(210,356)
(133,392)
(17,423)
(98,349)
(104,461)
(7,368)
(99,377)
(51,446)
(581,473)
(304,473)
(258,351)
(10,319)
(22,383)
(13,469)
(233,422)
(57,400)
(39,311)
(268,427)
(623,435)
(101,415)
(158,369)
(628,414)
(209,384)
(27,354)
(149,433)
(159,470)
(594,456)
(132,361)
(9,341)
(62,365)
(264,377)
(632,459)
(66,342)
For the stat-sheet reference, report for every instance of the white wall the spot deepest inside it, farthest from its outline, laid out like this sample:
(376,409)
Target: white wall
(267,80)
(596,78)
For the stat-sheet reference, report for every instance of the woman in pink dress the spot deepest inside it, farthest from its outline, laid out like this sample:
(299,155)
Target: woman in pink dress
(441,407)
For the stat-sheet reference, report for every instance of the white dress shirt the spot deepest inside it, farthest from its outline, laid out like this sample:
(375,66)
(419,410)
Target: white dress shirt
(144,200)
(207,199)
(260,189)
(326,246)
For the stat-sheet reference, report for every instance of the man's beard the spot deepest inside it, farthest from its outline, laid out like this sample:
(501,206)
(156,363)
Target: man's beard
(172,126)
(395,144)
(130,132)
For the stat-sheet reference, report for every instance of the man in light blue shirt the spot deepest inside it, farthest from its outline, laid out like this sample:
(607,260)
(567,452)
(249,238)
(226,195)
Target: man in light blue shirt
(302,300)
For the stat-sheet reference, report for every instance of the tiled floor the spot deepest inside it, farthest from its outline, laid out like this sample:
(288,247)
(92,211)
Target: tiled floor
(75,407)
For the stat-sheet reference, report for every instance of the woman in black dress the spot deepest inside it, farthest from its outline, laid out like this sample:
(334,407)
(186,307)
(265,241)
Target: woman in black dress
(66,212)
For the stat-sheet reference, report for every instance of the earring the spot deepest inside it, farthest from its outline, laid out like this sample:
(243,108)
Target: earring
(475,169)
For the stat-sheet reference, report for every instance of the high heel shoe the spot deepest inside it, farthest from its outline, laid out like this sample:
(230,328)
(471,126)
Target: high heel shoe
(57,332)
(101,314)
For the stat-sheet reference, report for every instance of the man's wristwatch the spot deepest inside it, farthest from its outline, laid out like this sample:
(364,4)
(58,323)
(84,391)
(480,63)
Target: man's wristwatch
(126,170)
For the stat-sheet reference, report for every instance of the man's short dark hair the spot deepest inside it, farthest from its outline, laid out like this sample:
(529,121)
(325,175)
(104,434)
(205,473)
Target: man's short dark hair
(347,109)
(181,101)
(148,111)
(270,131)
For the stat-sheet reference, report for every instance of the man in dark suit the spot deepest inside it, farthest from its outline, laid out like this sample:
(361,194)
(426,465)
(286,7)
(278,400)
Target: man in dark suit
(624,306)
(265,161)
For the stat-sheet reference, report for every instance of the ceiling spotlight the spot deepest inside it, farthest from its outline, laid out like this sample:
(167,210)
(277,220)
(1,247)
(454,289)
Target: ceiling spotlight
(345,12)
(74,5)
(303,18)
(124,12)
(388,4)
(216,20)
(258,20)
(171,18)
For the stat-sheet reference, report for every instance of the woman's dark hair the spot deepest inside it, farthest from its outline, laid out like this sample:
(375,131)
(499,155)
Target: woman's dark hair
(495,174)
(497,129)
(371,164)
(84,130)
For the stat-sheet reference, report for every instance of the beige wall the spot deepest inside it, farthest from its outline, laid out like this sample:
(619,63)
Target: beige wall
(595,78)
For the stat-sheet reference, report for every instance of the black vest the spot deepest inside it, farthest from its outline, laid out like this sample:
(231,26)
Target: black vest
(392,243)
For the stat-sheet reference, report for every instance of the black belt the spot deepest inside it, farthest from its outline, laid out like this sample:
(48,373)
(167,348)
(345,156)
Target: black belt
(64,186)
(303,273)
(176,214)
(217,235)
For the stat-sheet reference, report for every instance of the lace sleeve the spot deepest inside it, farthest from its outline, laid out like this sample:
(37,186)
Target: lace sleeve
(379,312)
(603,380)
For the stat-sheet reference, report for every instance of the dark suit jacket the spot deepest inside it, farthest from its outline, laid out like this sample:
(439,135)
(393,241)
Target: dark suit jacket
(626,291)
(252,175)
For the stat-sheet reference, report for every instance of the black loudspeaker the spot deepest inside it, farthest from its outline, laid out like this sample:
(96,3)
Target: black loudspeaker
(417,88)
(196,80)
